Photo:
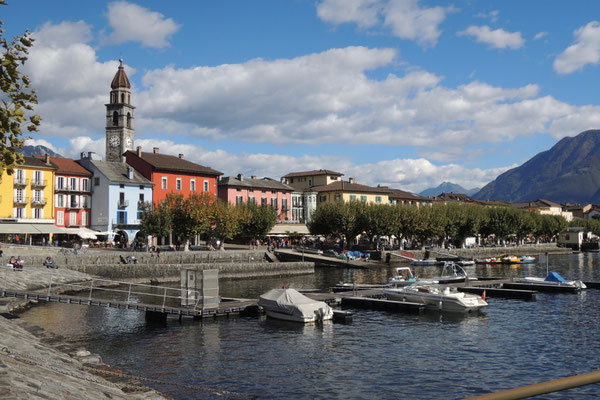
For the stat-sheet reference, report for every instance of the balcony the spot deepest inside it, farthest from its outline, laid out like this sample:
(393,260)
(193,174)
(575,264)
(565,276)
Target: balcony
(124,222)
(20,200)
(123,204)
(20,181)
(72,224)
(39,183)
(38,202)
(73,205)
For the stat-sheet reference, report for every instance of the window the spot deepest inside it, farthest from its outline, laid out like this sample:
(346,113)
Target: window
(85,185)
(239,200)
(291,180)
(60,218)
(274,203)
(192,185)
(85,202)
(37,196)
(178,184)
(273,192)
(73,218)
(73,201)
(263,191)
(238,189)
(38,177)
(337,196)
(84,218)
(72,183)
(96,181)
(141,197)
(284,204)
(310,182)
(163,182)
(20,213)
(352,197)
(19,195)
(377,199)
(251,200)
(363,198)
(263,201)
(60,182)
(323,198)
(122,97)
(38,213)
(60,200)
(122,186)
(251,190)
(121,217)
(115,118)
(206,186)
(128,120)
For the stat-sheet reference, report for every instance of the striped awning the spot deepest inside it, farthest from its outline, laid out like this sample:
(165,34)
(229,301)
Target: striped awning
(30,228)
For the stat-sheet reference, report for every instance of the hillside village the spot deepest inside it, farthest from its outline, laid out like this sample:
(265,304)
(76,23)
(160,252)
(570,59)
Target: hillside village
(51,198)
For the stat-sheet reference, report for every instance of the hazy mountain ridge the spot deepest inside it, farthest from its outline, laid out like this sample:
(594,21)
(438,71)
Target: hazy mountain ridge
(448,187)
(567,173)
(31,151)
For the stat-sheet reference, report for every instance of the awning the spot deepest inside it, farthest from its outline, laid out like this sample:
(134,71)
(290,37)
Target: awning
(83,233)
(34,229)
(105,233)
(286,229)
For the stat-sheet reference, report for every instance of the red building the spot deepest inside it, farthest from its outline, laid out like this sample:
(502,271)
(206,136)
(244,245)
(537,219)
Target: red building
(72,191)
(172,174)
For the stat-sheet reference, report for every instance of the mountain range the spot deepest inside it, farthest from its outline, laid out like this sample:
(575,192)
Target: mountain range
(448,187)
(567,173)
(31,151)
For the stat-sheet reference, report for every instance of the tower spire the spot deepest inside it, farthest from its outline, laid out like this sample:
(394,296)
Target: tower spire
(119,117)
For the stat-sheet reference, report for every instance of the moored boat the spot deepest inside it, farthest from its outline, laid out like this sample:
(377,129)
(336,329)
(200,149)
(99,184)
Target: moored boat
(291,305)
(402,277)
(437,298)
(554,279)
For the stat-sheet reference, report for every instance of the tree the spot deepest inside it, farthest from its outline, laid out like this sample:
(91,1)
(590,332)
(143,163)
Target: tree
(261,219)
(226,220)
(156,221)
(17,99)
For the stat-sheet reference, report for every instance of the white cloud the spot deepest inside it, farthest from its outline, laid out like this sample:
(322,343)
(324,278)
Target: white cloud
(585,50)
(133,23)
(406,19)
(498,38)
(492,15)
(407,174)
(540,35)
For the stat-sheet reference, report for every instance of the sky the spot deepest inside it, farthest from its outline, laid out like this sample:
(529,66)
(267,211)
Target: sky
(404,93)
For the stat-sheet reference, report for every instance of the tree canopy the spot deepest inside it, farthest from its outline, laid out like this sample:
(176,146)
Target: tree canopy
(17,99)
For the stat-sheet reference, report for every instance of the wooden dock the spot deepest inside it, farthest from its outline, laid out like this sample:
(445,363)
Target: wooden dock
(321,260)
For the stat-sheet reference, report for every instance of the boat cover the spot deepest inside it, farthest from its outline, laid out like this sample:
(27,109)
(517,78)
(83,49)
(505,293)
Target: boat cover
(555,277)
(291,302)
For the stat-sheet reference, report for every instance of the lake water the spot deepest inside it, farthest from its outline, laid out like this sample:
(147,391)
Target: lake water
(379,355)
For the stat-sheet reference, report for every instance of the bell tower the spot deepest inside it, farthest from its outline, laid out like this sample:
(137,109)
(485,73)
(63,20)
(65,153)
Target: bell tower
(119,117)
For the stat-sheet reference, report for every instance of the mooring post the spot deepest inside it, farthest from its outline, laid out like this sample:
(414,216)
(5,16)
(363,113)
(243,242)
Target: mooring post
(164,297)
(129,293)
(91,288)
(50,287)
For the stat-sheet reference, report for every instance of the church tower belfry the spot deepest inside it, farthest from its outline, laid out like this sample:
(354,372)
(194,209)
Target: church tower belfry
(119,117)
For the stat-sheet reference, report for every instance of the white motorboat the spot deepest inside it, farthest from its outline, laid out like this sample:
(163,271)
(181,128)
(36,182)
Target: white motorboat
(402,277)
(291,305)
(453,273)
(437,297)
(554,279)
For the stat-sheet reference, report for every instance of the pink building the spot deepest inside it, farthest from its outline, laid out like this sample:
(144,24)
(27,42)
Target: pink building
(266,191)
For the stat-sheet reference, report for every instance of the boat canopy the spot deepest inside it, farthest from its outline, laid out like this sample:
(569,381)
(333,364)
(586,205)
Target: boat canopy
(555,277)
(290,301)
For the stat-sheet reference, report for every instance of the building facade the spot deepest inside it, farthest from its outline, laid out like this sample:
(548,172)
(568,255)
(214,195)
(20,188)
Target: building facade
(27,202)
(172,174)
(72,198)
(118,191)
(351,191)
(262,191)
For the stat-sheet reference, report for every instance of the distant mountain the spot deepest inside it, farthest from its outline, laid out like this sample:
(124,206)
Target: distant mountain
(567,173)
(448,187)
(31,151)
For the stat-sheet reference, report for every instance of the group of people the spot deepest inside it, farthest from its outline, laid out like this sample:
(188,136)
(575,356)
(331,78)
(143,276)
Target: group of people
(16,263)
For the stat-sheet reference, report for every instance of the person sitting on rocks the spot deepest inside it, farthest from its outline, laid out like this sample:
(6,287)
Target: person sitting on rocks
(123,260)
(131,260)
(49,263)
(18,263)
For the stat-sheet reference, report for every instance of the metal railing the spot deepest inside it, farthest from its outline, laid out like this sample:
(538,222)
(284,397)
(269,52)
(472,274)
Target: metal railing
(73,205)
(123,204)
(38,201)
(126,221)
(53,281)
(19,181)
(20,200)
(39,182)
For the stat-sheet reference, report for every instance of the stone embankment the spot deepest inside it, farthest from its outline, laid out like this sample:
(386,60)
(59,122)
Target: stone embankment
(166,267)
(35,364)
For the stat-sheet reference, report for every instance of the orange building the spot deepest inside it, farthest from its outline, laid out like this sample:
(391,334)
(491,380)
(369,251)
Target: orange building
(172,174)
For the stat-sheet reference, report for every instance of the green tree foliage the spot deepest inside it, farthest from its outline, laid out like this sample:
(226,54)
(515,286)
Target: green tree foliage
(259,220)
(592,225)
(227,220)
(17,99)
(156,221)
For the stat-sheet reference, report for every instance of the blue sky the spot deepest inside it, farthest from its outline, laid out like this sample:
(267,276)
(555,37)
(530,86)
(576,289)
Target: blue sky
(404,93)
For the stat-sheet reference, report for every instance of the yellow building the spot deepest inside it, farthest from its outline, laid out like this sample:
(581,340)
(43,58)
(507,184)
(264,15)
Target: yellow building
(27,202)
(351,191)
(306,180)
